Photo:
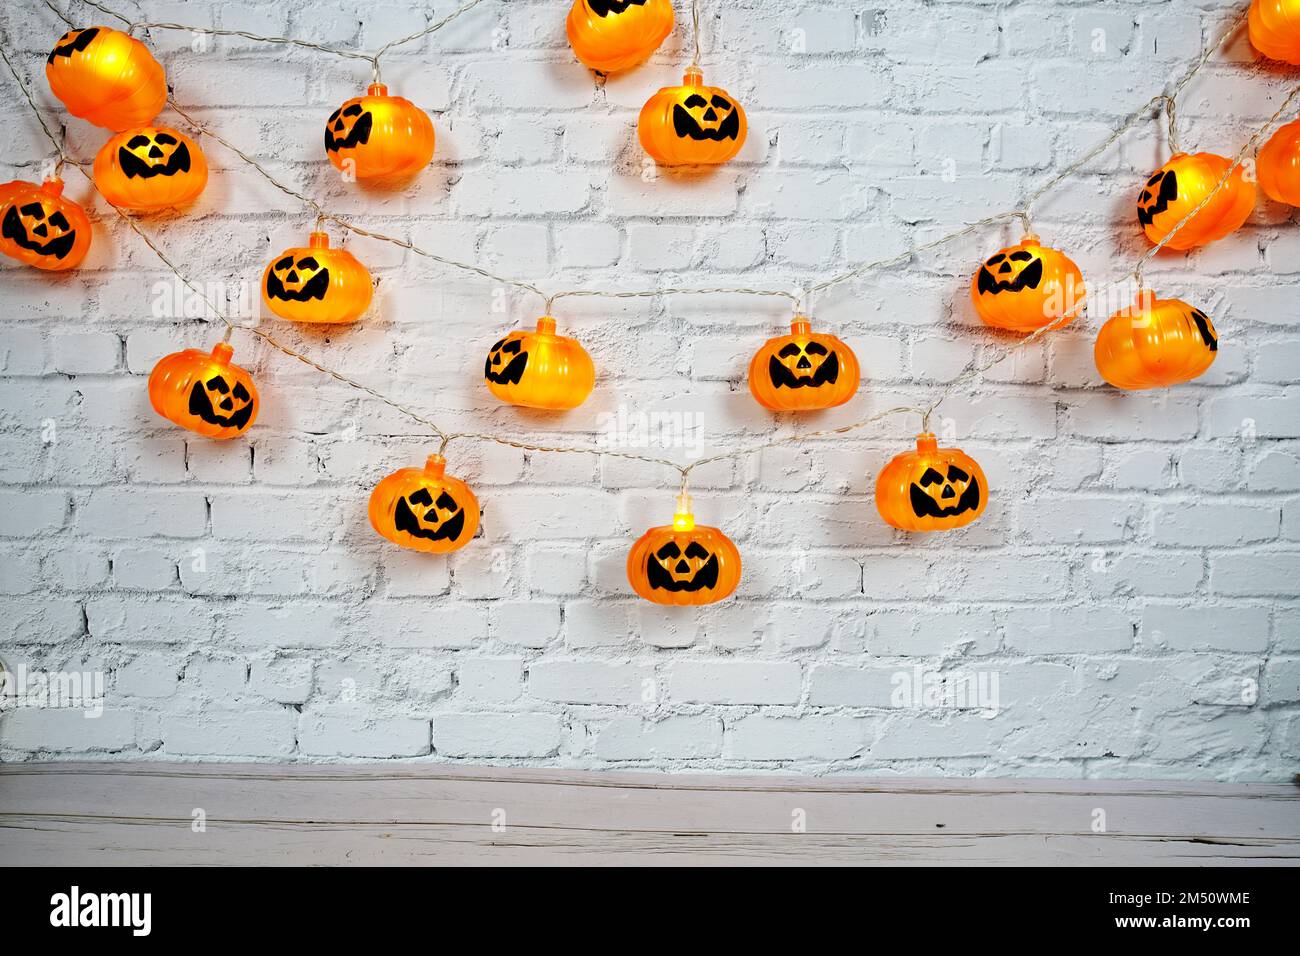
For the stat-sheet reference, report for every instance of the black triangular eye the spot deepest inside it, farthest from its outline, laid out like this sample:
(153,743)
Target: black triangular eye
(240,392)
(420,497)
(1020,255)
(218,384)
(696,550)
(446,502)
(720,103)
(816,348)
(59,221)
(956,474)
(512,346)
(996,259)
(33,209)
(670,550)
(930,477)
(135,142)
(308,263)
(353,110)
(285,263)
(788,351)
(695,100)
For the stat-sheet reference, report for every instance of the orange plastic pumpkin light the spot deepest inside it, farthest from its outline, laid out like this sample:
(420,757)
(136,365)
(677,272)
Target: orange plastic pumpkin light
(107,78)
(424,509)
(612,35)
(802,371)
(152,167)
(1155,342)
(204,392)
(1275,29)
(1180,185)
(683,563)
(40,227)
(692,123)
(931,489)
(379,136)
(540,369)
(317,283)
(1278,165)
(1027,286)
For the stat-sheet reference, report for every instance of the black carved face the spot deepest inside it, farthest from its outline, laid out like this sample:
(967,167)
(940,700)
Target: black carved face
(297,280)
(1206,329)
(673,569)
(348,126)
(1161,189)
(39,227)
(603,8)
(506,362)
(218,403)
(148,155)
(703,115)
(1010,272)
(935,495)
(74,41)
(807,365)
(435,519)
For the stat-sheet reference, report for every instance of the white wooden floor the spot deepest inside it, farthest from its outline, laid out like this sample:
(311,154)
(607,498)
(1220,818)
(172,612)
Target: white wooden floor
(119,814)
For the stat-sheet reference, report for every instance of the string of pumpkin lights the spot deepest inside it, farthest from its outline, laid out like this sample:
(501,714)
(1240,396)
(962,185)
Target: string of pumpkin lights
(461,522)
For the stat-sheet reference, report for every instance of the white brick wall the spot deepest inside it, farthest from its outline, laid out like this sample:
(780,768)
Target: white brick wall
(1132,586)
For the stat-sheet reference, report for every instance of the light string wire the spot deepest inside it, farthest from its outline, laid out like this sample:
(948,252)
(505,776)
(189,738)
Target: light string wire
(973,369)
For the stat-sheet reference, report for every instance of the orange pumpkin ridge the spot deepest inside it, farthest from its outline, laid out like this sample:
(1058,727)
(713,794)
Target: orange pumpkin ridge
(540,369)
(1154,343)
(379,136)
(1278,165)
(316,283)
(204,392)
(683,563)
(931,489)
(41,227)
(692,124)
(1026,286)
(150,167)
(107,78)
(1274,27)
(1178,187)
(424,509)
(803,371)
(613,35)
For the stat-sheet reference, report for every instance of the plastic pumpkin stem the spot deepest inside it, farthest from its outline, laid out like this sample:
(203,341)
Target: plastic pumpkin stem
(546,325)
(318,240)
(694,77)
(222,352)
(435,466)
(376,89)
(800,325)
(927,443)
(683,518)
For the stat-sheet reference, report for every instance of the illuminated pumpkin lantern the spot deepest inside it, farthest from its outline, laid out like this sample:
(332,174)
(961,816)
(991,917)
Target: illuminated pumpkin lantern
(612,35)
(1155,342)
(150,168)
(378,136)
(1275,29)
(692,124)
(1278,165)
(931,489)
(316,283)
(540,369)
(1180,186)
(204,392)
(1026,286)
(804,370)
(12,188)
(107,78)
(42,228)
(683,563)
(424,509)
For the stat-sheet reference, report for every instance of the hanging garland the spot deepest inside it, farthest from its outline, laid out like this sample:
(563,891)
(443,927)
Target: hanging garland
(112,80)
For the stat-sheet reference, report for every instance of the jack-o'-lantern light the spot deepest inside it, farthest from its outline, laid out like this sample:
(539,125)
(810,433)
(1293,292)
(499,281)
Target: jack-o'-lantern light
(150,168)
(803,371)
(1154,343)
(41,227)
(1026,286)
(315,283)
(379,136)
(1274,27)
(1180,186)
(612,35)
(424,509)
(683,563)
(931,489)
(692,124)
(204,392)
(1278,165)
(539,369)
(107,78)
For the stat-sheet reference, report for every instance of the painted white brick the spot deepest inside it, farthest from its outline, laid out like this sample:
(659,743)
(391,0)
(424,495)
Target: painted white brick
(1206,628)
(351,736)
(497,679)
(673,738)
(248,733)
(794,738)
(72,730)
(496,735)
(589,682)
